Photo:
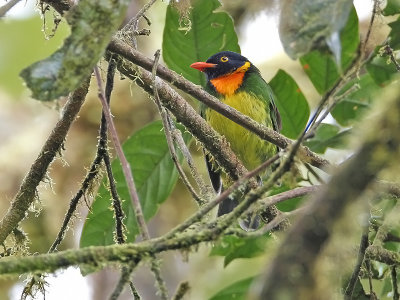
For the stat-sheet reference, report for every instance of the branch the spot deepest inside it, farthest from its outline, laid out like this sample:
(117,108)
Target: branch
(393,275)
(389,51)
(100,256)
(103,149)
(60,6)
(125,276)
(27,191)
(382,255)
(182,289)
(126,169)
(348,294)
(297,192)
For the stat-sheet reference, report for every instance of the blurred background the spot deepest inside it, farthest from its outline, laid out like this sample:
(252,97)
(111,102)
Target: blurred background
(25,123)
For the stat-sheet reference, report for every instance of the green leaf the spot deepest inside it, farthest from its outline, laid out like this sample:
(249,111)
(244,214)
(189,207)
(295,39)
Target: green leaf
(292,105)
(380,67)
(359,293)
(386,287)
(233,247)
(394,37)
(393,246)
(327,135)
(154,175)
(92,24)
(236,291)
(392,8)
(304,23)
(357,95)
(206,33)
(320,66)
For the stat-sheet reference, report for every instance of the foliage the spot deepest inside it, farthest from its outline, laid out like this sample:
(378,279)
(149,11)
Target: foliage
(292,105)
(325,36)
(155,176)
(232,247)
(206,33)
(237,290)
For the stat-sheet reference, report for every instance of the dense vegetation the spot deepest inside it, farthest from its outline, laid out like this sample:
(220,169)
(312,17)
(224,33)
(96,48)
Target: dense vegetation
(317,212)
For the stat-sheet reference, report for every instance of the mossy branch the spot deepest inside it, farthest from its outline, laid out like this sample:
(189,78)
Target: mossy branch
(97,257)
(383,255)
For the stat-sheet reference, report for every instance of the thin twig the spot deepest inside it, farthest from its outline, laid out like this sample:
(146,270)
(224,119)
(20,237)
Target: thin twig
(383,255)
(393,275)
(316,120)
(392,238)
(315,174)
(134,291)
(205,189)
(167,130)
(367,263)
(156,269)
(375,10)
(348,294)
(297,192)
(116,201)
(181,291)
(353,68)
(389,51)
(126,168)
(124,278)
(141,13)
(6,7)
(268,227)
(133,24)
(90,176)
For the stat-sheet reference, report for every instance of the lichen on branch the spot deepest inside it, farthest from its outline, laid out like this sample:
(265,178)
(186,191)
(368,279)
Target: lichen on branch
(65,69)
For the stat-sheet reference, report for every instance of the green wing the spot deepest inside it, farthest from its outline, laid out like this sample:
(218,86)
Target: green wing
(257,85)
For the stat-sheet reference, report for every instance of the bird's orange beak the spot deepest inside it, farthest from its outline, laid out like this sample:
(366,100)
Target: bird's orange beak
(201,66)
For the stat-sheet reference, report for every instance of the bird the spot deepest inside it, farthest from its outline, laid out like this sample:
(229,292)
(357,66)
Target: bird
(237,82)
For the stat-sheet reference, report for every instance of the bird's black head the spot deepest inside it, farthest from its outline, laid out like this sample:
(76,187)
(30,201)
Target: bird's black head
(223,63)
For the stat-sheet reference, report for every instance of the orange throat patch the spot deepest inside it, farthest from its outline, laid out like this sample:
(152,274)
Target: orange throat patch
(228,84)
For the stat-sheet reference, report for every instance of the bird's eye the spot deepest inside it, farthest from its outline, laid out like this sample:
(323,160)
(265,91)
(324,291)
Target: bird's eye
(224,59)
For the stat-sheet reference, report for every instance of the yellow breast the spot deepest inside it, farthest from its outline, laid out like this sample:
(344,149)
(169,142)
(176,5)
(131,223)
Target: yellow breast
(251,150)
